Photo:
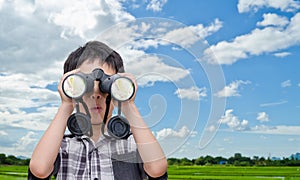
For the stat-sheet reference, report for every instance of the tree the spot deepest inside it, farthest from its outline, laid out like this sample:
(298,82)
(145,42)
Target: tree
(255,159)
(173,161)
(186,162)
(11,160)
(237,156)
(2,158)
(262,161)
(200,161)
(208,160)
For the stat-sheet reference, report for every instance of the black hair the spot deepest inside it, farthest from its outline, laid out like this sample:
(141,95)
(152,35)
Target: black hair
(72,60)
(91,51)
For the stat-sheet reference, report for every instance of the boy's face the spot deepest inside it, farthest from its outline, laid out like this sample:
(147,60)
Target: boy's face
(96,99)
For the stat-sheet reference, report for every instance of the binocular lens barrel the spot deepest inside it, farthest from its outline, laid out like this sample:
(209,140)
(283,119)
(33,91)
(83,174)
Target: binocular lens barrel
(122,89)
(74,86)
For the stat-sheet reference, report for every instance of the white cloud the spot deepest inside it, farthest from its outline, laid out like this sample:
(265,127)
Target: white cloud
(262,117)
(133,38)
(82,16)
(170,133)
(254,5)
(228,139)
(233,121)
(38,120)
(211,128)
(150,69)
(299,84)
(193,93)
(273,20)
(272,104)
(164,32)
(286,83)
(203,32)
(231,89)
(33,52)
(255,43)
(3,133)
(26,102)
(1,4)
(26,141)
(117,11)
(282,130)
(282,54)
(156,5)
(23,7)
(20,145)
(33,28)
(188,35)
(30,42)
(77,19)
(24,145)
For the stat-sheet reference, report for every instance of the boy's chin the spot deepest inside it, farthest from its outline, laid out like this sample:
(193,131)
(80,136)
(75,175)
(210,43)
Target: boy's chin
(97,124)
(96,120)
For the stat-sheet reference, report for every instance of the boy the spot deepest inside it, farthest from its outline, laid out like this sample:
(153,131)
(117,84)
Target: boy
(97,157)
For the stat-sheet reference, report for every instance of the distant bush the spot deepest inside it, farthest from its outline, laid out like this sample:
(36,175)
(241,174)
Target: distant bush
(12,160)
(236,160)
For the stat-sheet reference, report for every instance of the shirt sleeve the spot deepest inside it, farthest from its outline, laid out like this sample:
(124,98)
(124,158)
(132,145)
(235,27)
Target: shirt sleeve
(33,177)
(141,167)
(163,177)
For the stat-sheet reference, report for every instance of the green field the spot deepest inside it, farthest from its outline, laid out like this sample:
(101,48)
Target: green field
(13,172)
(193,172)
(233,172)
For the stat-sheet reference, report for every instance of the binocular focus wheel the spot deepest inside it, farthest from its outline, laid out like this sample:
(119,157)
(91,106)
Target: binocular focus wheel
(79,124)
(118,127)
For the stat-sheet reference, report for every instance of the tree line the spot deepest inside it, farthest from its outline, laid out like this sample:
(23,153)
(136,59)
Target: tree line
(13,160)
(236,160)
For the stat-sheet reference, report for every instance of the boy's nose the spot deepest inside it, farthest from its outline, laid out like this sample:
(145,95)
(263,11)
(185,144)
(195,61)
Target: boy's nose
(96,94)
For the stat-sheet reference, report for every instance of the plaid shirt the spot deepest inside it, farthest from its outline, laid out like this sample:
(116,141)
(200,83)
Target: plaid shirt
(80,158)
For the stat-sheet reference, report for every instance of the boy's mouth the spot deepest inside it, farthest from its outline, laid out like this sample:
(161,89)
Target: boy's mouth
(97,109)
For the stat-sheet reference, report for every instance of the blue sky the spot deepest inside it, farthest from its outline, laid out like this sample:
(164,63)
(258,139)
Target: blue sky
(215,78)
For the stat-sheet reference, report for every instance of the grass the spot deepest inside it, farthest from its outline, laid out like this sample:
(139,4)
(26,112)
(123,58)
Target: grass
(193,172)
(13,172)
(233,172)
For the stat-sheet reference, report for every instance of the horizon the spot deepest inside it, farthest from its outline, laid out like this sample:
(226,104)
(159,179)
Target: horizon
(214,77)
(269,157)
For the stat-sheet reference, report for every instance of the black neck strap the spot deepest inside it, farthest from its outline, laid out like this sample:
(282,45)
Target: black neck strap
(107,102)
(86,108)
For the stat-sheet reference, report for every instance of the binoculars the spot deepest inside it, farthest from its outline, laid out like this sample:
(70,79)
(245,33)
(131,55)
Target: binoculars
(76,85)
(120,88)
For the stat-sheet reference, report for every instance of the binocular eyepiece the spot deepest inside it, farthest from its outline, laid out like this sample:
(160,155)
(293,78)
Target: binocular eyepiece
(120,88)
(77,85)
